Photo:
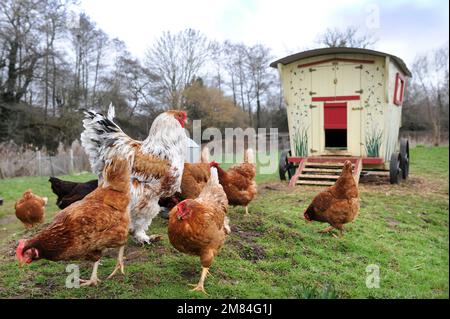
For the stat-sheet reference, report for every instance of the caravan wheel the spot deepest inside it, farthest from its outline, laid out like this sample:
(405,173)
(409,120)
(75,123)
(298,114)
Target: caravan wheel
(395,171)
(404,157)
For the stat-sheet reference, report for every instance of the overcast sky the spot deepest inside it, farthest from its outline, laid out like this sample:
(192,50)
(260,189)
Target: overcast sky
(404,28)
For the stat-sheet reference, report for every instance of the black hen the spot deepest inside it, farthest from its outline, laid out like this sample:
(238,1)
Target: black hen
(70,192)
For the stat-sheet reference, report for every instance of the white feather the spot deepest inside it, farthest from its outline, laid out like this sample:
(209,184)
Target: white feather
(111,112)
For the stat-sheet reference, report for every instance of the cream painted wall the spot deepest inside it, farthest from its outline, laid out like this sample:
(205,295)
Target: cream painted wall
(365,117)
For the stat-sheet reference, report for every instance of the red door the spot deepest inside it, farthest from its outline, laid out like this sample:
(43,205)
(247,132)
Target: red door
(335,115)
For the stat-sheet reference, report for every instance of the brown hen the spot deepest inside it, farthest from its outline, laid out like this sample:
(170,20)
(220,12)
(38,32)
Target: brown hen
(199,226)
(338,204)
(86,228)
(239,181)
(30,209)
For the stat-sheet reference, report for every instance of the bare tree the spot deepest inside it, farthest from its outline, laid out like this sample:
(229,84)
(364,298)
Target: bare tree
(20,22)
(257,64)
(431,72)
(177,59)
(350,37)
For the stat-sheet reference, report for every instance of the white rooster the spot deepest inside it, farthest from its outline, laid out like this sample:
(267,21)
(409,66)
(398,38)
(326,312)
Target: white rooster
(156,163)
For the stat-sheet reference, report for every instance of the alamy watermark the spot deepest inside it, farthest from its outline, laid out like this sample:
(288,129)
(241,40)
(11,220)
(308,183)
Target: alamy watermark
(229,146)
(373,276)
(73,279)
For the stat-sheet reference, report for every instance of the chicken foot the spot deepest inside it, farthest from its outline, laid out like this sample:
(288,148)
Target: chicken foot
(326,230)
(93,281)
(330,228)
(200,286)
(120,264)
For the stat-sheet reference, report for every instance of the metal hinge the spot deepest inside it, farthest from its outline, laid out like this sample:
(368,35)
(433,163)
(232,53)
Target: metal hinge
(311,106)
(359,67)
(312,70)
(312,93)
(360,91)
(357,108)
(313,151)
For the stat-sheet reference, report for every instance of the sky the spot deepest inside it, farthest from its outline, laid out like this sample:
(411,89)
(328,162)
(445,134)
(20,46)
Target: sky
(404,28)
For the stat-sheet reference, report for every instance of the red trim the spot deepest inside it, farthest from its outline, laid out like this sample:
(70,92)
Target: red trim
(335,59)
(336,104)
(298,172)
(324,159)
(296,159)
(399,83)
(372,160)
(336,98)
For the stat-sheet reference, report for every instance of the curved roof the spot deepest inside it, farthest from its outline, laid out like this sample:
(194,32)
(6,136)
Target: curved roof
(325,51)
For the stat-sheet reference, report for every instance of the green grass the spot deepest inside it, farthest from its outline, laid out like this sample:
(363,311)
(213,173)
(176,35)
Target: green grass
(272,253)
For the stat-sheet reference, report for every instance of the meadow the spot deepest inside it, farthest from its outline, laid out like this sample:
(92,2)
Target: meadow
(272,253)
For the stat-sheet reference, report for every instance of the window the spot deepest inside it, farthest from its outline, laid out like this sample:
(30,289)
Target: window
(399,89)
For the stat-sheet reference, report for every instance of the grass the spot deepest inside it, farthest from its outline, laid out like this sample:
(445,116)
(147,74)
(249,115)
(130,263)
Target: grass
(403,229)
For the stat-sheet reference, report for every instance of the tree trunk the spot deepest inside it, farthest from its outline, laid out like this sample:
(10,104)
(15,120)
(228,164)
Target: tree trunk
(249,110)
(258,110)
(54,85)
(9,95)
(46,77)
(233,88)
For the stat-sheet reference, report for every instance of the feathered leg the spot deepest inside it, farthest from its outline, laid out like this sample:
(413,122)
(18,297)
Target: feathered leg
(141,220)
(120,264)
(93,281)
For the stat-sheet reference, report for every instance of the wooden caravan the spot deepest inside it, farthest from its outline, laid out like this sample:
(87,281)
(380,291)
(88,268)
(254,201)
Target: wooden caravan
(343,103)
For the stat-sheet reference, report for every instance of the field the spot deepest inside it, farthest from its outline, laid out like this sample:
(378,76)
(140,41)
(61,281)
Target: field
(402,229)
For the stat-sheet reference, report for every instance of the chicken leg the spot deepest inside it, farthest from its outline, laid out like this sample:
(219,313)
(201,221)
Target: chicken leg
(200,286)
(246,210)
(93,281)
(120,264)
(326,230)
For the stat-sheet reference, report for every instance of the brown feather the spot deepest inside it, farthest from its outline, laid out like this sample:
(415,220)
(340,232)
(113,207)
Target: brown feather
(84,229)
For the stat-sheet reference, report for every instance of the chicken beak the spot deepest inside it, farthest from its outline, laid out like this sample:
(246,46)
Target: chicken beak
(21,264)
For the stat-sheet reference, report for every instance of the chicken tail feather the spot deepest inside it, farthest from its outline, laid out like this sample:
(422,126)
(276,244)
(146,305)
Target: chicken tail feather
(111,112)
(204,156)
(249,156)
(99,132)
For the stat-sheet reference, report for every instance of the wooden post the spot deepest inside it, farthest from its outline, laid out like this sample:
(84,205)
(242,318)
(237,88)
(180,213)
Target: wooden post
(71,162)
(39,162)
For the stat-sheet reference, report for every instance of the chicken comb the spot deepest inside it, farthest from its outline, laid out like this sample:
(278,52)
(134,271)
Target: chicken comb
(214,164)
(19,249)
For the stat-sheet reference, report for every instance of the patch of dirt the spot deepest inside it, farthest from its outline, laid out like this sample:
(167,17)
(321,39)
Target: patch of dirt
(244,240)
(413,185)
(274,186)
(250,250)
(392,222)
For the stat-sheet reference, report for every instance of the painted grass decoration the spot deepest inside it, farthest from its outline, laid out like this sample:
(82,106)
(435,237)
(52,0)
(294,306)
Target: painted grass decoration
(301,142)
(373,144)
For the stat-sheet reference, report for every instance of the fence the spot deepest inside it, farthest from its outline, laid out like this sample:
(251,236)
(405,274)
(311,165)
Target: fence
(27,161)
(423,137)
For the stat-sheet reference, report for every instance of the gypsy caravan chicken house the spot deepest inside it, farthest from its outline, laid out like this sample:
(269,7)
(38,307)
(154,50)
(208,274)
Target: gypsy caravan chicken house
(343,103)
